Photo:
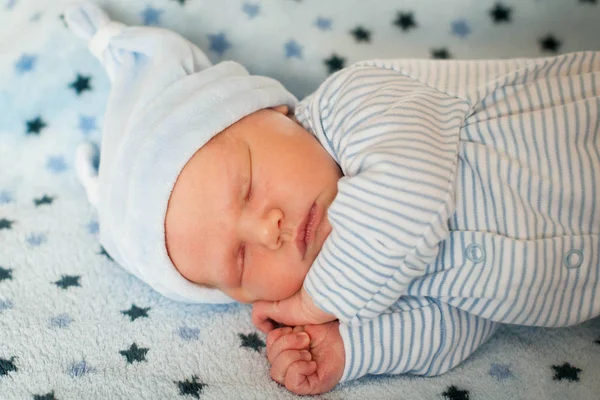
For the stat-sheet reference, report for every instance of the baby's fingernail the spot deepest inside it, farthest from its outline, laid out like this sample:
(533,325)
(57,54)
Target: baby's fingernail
(305,355)
(302,337)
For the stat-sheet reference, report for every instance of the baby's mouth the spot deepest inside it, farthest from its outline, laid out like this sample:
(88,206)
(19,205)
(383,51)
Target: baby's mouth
(306,230)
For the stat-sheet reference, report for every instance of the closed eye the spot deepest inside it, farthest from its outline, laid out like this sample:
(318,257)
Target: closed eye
(242,255)
(249,190)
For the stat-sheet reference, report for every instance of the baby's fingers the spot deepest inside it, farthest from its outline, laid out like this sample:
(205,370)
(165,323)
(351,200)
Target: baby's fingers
(279,367)
(261,317)
(290,341)
(276,334)
(299,379)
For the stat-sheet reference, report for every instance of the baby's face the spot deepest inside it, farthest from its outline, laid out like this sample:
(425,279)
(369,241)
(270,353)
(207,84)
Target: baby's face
(237,215)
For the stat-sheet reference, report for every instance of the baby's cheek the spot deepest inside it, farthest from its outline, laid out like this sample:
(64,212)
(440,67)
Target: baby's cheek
(277,280)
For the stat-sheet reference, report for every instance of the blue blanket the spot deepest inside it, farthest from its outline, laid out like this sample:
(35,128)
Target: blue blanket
(74,325)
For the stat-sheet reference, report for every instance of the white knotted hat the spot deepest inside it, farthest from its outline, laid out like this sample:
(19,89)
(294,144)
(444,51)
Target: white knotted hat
(167,100)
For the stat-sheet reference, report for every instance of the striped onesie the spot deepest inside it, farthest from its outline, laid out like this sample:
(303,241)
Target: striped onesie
(470,198)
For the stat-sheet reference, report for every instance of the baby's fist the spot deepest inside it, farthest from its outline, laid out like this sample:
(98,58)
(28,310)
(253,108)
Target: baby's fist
(307,359)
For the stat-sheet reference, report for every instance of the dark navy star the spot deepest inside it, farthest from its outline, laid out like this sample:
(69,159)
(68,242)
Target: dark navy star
(81,84)
(361,34)
(35,126)
(566,371)
(252,341)
(550,43)
(453,393)
(136,312)
(440,53)
(134,353)
(191,387)
(500,13)
(7,366)
(67,281)
(44,200)
(182,2)
(405,21)
(5,224)
(104,253)
(5,274)
(47,396)
(334,63)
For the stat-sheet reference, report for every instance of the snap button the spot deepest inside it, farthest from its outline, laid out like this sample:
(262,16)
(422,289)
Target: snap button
(475,253)
(573,259)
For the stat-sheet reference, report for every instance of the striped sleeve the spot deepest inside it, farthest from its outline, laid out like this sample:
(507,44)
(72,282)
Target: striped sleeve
(417,336)
(396,140)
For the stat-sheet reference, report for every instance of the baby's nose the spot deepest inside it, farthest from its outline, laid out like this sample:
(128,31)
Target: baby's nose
(266,230)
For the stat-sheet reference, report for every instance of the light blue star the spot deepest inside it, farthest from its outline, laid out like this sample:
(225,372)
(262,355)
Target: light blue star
(323,24)
(187,333)
(36,239)
(6,305)
(35,17)
(460,28)
(151,15)
(500,371)
(87,124)
(5,197)
(56,164)
(293,49)
(60,321)
(251,9)
(218,43)
(10,4)
(79,369)
(93,227)
(25,63)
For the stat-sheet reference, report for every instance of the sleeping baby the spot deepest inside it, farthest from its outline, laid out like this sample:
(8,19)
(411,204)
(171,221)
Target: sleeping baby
(386,224)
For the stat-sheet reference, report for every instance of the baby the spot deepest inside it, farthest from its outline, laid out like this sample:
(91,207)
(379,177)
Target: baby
(390,221)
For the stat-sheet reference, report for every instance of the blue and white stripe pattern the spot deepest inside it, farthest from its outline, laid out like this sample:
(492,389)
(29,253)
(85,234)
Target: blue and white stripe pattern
(471,196)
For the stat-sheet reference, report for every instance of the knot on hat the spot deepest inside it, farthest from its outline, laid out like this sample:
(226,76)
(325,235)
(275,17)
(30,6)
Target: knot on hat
(102,37)
(91,23)
(85,19)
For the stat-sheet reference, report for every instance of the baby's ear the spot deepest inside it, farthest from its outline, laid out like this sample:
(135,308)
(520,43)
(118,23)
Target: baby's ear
(283,109)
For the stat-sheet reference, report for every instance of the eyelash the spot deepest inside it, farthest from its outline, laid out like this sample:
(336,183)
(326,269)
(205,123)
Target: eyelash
(246,199)
(249,190)
(243,254)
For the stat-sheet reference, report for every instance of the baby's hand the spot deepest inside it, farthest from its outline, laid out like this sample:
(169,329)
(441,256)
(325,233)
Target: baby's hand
(314,365)
(298,309)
